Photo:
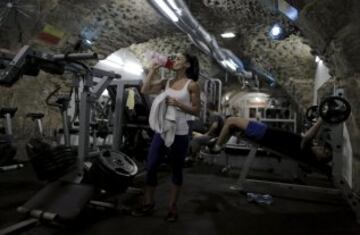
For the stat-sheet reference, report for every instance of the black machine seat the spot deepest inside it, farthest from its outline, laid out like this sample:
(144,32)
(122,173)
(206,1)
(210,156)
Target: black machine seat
(62,100)
(34,116)
(72,131)
(4,111)
(63,199)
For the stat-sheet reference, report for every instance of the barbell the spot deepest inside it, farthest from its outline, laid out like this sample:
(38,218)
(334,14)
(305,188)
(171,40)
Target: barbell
(333,110)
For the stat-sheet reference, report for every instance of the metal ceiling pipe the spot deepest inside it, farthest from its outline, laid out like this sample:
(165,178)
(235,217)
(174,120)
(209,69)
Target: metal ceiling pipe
(181,24)
(188,19)
(197,34)
(186,22)
(202,46)
(159,10)
(235,59)
(203,36)
(215,49)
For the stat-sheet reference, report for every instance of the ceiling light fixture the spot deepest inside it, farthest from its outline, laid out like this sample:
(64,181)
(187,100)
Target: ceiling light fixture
(275,30)
(228,35)
(170,13)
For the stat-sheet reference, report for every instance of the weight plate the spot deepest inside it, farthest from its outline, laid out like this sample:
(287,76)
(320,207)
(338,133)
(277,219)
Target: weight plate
(312,113)
(334,109)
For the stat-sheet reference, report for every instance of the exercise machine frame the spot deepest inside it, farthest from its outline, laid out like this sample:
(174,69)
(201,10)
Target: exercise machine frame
(332,134)
(68,191)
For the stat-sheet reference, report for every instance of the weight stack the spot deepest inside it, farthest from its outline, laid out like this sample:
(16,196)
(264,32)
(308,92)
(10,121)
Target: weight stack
(50,163)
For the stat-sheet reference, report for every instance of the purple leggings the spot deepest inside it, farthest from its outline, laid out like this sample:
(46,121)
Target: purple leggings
(176,154)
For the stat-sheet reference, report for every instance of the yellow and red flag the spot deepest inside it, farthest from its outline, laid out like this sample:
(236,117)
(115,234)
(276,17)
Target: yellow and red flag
(51,35)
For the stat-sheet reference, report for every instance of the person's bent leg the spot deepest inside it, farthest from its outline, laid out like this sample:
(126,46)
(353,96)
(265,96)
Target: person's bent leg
(196,144)
(231,122)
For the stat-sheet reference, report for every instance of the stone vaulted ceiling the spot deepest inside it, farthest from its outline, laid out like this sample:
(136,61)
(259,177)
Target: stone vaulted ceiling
(325,28)
(120,23)
(329,29)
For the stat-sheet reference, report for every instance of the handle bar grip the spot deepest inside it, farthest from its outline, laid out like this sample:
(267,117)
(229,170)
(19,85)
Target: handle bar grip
(10,76)
(76,56)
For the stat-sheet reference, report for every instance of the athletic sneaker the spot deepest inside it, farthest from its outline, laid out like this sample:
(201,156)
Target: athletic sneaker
(144,210)
(216,149)
(172,215)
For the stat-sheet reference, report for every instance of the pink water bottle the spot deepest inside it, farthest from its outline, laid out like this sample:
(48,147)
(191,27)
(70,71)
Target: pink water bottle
(160,59)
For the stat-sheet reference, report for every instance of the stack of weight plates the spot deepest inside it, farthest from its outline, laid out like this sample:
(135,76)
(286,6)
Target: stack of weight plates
(50,163)
(112,171)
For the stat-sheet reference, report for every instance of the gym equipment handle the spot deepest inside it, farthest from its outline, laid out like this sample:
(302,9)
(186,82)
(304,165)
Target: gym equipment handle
(76,56)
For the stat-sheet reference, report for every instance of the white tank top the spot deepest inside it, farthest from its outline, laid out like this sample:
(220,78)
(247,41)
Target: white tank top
(182,96)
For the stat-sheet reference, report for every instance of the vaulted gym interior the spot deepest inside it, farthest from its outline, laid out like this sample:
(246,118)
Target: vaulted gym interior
(179,117)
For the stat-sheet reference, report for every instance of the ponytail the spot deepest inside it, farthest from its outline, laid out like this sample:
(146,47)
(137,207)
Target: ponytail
(193,71)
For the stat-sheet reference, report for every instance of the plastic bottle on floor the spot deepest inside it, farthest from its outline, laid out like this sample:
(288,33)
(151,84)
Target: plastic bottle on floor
(264,199)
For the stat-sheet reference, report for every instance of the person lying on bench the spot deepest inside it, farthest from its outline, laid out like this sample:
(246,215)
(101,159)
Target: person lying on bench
(216,122)
(301,148)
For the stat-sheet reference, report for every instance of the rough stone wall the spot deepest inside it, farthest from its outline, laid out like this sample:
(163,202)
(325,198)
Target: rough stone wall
(28,95)
(352,88)
(290,62)
(128,22)
(332,29)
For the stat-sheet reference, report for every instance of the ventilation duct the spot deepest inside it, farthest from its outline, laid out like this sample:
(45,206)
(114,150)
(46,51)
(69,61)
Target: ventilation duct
(196,33)
(201,45)
(239,65)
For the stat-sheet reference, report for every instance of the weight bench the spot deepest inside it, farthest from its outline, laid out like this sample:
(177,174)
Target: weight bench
(232,149)
(49,203)
(297,191)
(340,189)
(59,202)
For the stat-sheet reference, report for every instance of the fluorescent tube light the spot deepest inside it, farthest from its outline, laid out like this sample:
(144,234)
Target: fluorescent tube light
(167,10)
(230,64)
(228,35)
(291,12)
(174,6)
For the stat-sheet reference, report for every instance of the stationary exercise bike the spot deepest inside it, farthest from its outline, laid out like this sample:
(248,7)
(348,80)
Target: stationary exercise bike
(7,147)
